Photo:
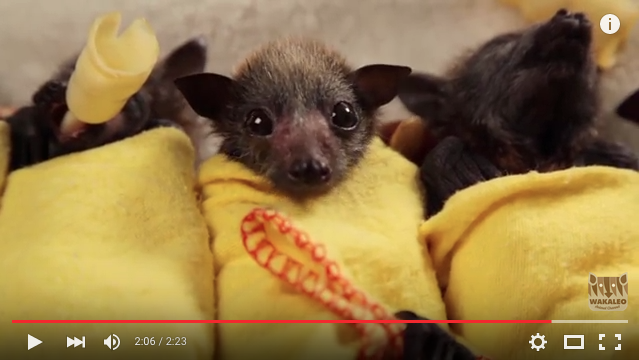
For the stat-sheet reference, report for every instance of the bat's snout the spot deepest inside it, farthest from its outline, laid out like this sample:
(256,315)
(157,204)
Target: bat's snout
(310,171)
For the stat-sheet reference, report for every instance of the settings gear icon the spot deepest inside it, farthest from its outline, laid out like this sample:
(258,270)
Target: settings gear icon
(540,346)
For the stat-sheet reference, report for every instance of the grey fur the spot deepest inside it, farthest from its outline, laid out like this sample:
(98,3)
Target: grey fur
(297,82)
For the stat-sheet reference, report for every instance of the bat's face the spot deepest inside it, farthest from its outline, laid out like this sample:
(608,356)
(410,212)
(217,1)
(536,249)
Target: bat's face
(301,131)
(532,81)
(295,113)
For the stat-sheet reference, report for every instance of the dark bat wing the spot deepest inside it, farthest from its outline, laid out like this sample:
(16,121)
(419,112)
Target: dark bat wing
(430,341)
(32,137)
(451,167)
(29,141)
(606,153)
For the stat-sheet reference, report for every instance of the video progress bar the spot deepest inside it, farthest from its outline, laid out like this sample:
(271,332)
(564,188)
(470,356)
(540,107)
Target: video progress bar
(589,321)
(317,321)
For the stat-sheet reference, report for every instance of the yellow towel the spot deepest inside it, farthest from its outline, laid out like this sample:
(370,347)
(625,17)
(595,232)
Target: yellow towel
(111,233)
(365,230)
(523,247)
(606,46)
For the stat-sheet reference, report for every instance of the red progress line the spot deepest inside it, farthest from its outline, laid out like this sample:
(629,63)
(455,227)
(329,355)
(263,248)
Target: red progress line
(279,321)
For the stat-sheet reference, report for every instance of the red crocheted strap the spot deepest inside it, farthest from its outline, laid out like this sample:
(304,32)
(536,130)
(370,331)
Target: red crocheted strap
(319,277)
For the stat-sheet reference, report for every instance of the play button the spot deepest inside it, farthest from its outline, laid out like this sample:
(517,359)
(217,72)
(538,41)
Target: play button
(32,342)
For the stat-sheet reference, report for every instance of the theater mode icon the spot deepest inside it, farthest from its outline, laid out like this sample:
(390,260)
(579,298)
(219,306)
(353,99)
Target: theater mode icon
(574,347)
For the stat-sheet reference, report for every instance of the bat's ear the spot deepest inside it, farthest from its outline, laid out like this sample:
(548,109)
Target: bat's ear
(629,108)
(592,279)
(207,93)
(423,94)
(187,59)
(376,85)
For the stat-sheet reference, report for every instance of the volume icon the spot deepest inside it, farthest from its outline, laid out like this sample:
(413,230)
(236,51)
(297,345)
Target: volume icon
(112,342)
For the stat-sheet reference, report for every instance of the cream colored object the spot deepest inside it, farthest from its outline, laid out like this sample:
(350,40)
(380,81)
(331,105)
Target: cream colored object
(606,46)
(111,68)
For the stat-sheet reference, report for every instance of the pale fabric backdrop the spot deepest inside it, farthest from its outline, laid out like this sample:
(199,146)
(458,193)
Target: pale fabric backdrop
(35,35)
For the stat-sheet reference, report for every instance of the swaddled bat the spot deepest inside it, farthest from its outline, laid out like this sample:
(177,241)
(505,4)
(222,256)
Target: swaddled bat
(296,113)
(522,101)
(36,135)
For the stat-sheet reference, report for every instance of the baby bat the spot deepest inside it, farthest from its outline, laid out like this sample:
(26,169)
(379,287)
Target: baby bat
(36,135)
(295,112)
(522,101)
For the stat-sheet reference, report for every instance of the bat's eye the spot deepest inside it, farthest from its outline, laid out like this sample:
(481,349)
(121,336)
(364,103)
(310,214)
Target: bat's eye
(344,116)
(259,123)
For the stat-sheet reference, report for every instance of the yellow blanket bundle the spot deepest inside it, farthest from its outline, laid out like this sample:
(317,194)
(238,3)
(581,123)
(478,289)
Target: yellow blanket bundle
(524,247)
(351,255)
(134,245)
(113,233)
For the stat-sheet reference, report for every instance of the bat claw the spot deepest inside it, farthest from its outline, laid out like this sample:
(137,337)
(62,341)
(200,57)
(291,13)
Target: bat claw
(428,341)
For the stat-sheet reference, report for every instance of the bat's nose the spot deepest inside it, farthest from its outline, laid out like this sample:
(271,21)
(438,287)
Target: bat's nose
(309,171)
(570,20)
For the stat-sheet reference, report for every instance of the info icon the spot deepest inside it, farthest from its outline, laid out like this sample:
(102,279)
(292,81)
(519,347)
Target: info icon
(610,24)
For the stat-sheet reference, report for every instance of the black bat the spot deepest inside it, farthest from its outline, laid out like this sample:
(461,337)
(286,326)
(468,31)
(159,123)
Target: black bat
(522,101)
(36,134)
